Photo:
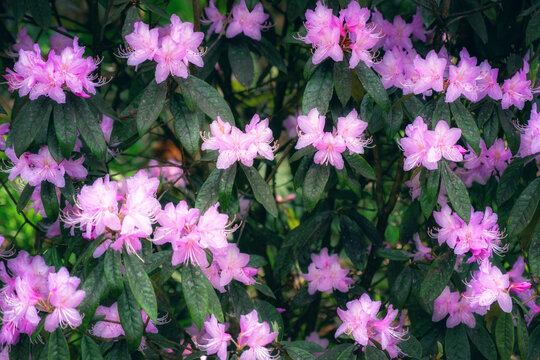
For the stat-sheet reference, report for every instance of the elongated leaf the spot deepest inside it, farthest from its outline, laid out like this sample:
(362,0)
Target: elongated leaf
(457,192)
(430,192)
(65,126)
(507,183)
(392,121)
(334,352)
(351,238)
(140,285)
(25,196)
(209,193)
(31,119)
(318,90)
(466,123)
(308,150)
(131,319)
(41,13)
(195,293)
(534,345)
(476,20)
(411,347)
(58,346)
(504,335)
(360,166)
(391,254)
(533,28)
(226,183)
(187,124)
(524,208)
(199,93)
(348,353)
(534,252)
(372,353)
(95,288)
(267,312)
(112,263)
(132,16)
(373,85)
(299,354)
(241,62)
(49,200)
(314,183)
(481,340)
(456,344)
(150,106)
(261,190)
(269,52)
(342,82)
(304,345)
(441,112)
(522,336)
(402,287)
(242,303)
(89,349)
(438,276)
(89,128)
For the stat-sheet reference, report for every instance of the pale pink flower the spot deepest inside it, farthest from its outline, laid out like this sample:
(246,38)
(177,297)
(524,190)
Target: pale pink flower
(487,82)
(256,335)
(330,147)
(215,339)
(351,129)
(143,43)
(175,222)
(110,327)
(442,143)
(517,89)
(530,135)
(462,78)
(311,128)
(431,71)
(24,41)
(422,251)
(416,145)
(249,23)
(326,274)
(214,18)
(60,41)
(169,60)
(489,285)
(64,297)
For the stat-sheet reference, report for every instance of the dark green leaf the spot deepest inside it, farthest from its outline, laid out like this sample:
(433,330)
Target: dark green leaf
(491,129)
(342,82)
(49,198)
(348,353)
(89,128)
(430,192)
(409,223)
(131,319)
(211,58)
(402,287)
(522,336)
(89,349)
(95,288)
(21,350)
(457,192)
(150,106)
(411,347)
(268,312)
(534,345)
(214,306)
(299,154)
(269,52)
(264,289)
(507,183)
(261,190)
(240,299)
(52,143)
(241,62)
(132,16)
(65,126)
(31,119)
(140,285)
(534,252)
(58,346)
(533,28)
(372,83)
(438,276)
(226,183)
(195,294)
(513,136)
(481,339)
(314,183)
(372,353)
(524,208)
(476,20)
(296,9)
(391,254)
(392,121)
(25,196)
(112,263)
(304,345)
(187,124)
(205,97)
(360,166)
(41,13)
(351,238)
(456,344)
(441,112)
(504,335)
(318,90)
(466,123)
(299,354)
(209,193)
(334,352)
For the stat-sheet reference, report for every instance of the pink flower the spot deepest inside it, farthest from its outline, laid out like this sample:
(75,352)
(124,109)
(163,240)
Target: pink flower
(110,327)
(431,71)
(215,339)
(391,68)
(488,285)
(417,25)
(487,82)
(326,274)
(398,34)
(256,335)
(4,129)
(416,145)
(143,43)
(60,41)
(351,130)
(324,31)
(330,148)
(291,126)
(175,222)
(261,136)
(249,23)
(311,128)
(64,297)
(443,143)
(422,251)
(316,339)
(24,41)
(215,18)
(530,134)
(517,89)
(107,127)
(212,228)
(169,58)
(462,78)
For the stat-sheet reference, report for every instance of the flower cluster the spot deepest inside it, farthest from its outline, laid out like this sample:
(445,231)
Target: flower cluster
(361,322)
(428,147)
(64,68)
(235,145)
(461,310)
(97,211)
(530,135)
(30,287)
(250,23)
(481,236)
(326,274)
(330,145)
(398,33)
(173,47)
(36,168)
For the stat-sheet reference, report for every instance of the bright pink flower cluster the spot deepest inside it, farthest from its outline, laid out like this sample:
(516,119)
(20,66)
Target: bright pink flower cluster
(398,33)
(173,47)
(250,23)
(428,147)
(111,328)
(360,321)
(461,310)
(326,274)
(235,145)
(330,145)
(36,168)
(30,287)
(64,68)
(190,233)
(481,236)
(530,135)
(124,212)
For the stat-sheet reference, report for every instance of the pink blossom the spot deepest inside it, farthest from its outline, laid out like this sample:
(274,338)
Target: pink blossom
(311,128)
(24,41)
(215,339)
(487,82)
(143,43)
(416,145)
(517,89)
(397,34)
(64,297)
(214,18)
(291,125)
(462,78)
(60,41)
(110,327)
(329,148)
(175,222)
(4,129)
(256,335)
(391,68)
(169,60)
(106,125)
(326,274)
(530,135)
(417,25)
(351,129)
(431,71)
(249,23)
(489,285)
(422,251)
(443,143)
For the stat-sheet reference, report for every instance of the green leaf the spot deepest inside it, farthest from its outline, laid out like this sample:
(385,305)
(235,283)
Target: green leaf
(507,183)
(264,289)
(491,129)
(402,286)
(209,193)
(41,13)
(187,124)
(457,192)
(211,58)
(89,128)
(524,208)
(373,85)
(476,20)
(318,90)
(513,136)
(430,192)
(504,335)
(112,263)
(534,345)
(438,276)
(205,97)
(466,123)
(52,143)
(456,344)
(269,52)
(348,353)
(299,354)
(304,345)
(534,252)
(132,16)
(95,288)
(533,28)
(150,106)
(25,196)
(214,306)
(299,154)
(58,346)
(481,339)
(360,166)
(195,294)
(131,319)
(65,126)
(522,336)
(372,353)
(441,112)
(351,238)
(140,285)
(241,62)
(226,183)
(334,352)
(411,347)
(314,183)
(89,349)
(49,198)
(392,121)
(242,303)
(296,9)
(342,82)
(391,254)
(30,120)
(261,190)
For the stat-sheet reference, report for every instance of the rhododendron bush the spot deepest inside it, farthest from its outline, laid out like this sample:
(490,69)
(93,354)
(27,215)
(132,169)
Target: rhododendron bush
(235,179)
